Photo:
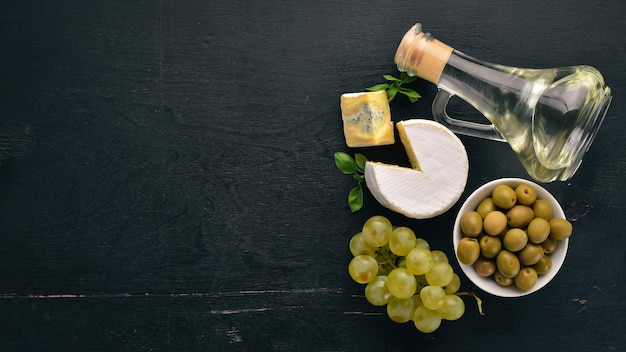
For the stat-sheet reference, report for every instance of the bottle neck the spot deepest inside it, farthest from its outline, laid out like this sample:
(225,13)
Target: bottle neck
(419,54)
(463,72)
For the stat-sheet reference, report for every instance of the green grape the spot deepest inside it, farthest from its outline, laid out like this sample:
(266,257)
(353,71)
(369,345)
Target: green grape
(432,297)
(402,240)
(453,286)
(363,268)
(401,263)
(426,320)
(421,243)
(376,231)
(439,256)
(419,261)
(452,308)
(401,310)
(440,274)
(358,246)
(376,291)
(401,283)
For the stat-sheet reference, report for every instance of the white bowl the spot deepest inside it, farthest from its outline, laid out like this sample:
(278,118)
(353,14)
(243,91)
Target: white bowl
(488,284)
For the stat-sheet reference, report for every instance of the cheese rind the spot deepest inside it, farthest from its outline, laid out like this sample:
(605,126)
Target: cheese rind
(430,190)
(366,119)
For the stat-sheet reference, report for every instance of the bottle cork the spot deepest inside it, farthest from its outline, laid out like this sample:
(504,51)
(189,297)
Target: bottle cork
(421,55)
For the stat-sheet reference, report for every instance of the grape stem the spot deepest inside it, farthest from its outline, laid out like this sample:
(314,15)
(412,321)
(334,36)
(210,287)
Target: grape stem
(479,302)
(389,261)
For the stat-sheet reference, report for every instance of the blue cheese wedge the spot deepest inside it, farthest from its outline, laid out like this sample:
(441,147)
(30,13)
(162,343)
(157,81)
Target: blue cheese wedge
(436,179)
(366,119)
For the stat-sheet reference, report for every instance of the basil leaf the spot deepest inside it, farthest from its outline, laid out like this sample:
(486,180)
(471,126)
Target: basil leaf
(358,178)
(360,162)
(391,78)
(413,95)
(378,87)
(405,78)
(391,92)
(345,163)
(396,86)
(355,198)
(410,79)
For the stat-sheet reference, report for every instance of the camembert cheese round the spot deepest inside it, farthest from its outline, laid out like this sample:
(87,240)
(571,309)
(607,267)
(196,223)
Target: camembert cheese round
(436,180)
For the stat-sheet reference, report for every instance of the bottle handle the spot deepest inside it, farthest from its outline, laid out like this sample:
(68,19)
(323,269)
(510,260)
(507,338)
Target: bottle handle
(474,129)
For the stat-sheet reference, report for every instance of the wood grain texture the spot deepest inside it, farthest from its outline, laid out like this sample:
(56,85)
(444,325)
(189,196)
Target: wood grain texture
(167,182)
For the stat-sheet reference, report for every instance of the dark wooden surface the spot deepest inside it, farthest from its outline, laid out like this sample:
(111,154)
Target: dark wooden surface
(167,182)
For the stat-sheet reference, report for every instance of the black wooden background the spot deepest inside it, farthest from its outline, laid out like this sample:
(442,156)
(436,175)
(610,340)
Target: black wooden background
(167,181)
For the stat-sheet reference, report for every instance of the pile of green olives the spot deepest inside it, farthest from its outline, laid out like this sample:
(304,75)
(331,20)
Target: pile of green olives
(510,235)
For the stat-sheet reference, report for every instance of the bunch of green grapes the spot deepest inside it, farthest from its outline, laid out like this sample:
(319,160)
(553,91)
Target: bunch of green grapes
(401,272)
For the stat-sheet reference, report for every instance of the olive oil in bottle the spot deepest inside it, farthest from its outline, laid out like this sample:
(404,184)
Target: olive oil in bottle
(549,117)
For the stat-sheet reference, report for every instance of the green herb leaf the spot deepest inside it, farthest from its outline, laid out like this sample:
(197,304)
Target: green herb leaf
(391,78)
(392,91)
(345,163)
(396,86)
(378,87)
(360,162)
(405,78)
(358,178)
(355,198)
(355,167)
(410,93)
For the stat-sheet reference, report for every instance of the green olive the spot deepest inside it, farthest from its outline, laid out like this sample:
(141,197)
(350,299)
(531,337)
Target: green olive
(549,245)
(490,246)
(485,266)
(531,254)
(526,279)
(501,280)
(485,207)
(542,209)
(560,229)
(504,196)
(508,264)
(495,223)
(468,250)
(538,230)
(515,239)
(519,216)
(526,194)
(544,265)
(471,224)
